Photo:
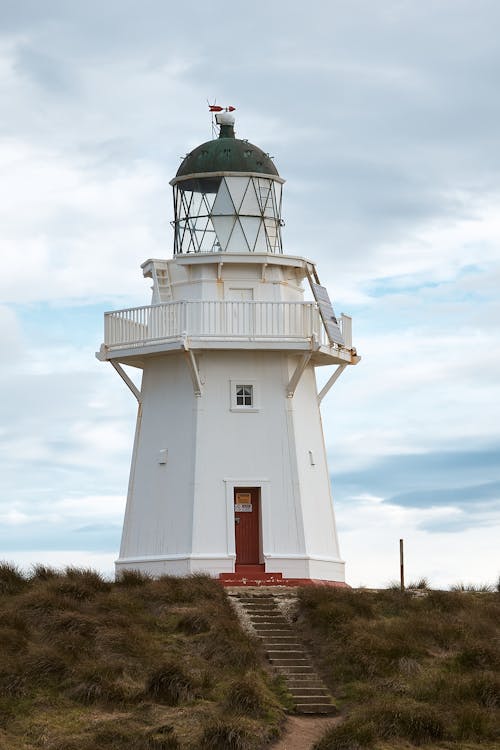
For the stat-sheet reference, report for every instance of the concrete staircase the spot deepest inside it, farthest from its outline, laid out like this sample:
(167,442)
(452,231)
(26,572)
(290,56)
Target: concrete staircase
(286,654)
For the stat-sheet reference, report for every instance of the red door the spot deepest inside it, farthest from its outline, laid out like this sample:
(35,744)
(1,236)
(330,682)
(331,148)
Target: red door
(247,525)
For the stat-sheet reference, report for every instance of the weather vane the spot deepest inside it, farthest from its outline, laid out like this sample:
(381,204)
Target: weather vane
(215,109)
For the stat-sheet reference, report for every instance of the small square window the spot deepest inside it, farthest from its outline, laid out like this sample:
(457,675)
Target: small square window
(244,395)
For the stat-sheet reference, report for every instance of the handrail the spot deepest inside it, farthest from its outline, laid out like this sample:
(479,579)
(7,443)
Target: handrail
(232,319)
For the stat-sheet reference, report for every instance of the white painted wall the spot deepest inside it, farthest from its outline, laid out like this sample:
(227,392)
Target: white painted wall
(182,507)
(179,516)
(275,283)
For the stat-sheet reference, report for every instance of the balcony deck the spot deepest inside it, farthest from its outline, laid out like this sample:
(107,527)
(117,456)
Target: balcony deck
(199,324)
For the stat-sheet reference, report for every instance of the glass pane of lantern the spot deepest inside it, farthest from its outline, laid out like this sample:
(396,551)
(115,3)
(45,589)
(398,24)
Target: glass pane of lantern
(196,205)
(272,232)
(237,242)
(208,200)
(265,196)
(223,226)
(223,203)
(185,202)
(276,210)
(203,224)
(237,187)
(261,244)
(250,204)
(250,225)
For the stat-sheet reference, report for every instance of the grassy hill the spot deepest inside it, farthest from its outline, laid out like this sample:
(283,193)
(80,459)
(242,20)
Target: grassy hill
(86,664)
(407,669)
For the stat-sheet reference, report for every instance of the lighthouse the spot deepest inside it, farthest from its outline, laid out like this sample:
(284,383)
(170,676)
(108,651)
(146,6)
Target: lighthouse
(229,473)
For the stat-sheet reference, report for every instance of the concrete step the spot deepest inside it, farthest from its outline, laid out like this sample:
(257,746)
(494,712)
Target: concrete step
(288,670)
(290,662)
(287,655)
(304,682)
(280,648)
(311,699)
(259,616)
(274,616)
(280,640)
(270,630)
(315,708)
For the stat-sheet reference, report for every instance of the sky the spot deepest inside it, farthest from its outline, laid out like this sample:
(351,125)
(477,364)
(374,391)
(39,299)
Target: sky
(384,120)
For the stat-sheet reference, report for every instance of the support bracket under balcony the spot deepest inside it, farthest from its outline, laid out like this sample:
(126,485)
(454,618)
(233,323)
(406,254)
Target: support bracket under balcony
(337,373)
(295,379)
(121,372)
(193,369)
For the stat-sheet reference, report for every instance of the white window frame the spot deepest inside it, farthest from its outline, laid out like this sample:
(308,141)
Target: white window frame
(233,386)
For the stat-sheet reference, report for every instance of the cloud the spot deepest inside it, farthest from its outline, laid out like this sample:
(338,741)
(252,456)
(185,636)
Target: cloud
(74,229)
(462,496)
(44,70)
(370,546)
(383,119)
(84,523)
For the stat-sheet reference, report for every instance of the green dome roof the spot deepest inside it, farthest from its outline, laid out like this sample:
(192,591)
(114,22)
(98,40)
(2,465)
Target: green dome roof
(227,154)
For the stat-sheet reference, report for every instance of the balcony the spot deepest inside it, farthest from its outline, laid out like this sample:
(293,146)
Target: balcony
(294,326)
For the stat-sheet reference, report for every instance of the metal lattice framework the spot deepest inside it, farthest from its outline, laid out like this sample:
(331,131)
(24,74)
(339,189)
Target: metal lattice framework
(232,213)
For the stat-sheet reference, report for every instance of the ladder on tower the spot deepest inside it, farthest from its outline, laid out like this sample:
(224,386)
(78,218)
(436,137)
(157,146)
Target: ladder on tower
(268,213)
(157,270)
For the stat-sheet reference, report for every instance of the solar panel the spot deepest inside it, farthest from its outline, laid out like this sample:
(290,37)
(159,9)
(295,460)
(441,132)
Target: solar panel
(327,315)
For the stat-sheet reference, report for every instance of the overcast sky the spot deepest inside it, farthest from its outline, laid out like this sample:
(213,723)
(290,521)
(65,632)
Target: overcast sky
(384,118)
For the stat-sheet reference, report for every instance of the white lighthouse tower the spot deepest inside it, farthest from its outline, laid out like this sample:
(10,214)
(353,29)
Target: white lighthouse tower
(229,473)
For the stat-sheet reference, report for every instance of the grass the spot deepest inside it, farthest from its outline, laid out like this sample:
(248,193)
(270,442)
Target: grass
(139,664)
(481,587)
(145,664)
(226,734)
(408,670)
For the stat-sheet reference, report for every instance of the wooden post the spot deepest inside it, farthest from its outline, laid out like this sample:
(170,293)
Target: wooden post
(401,565)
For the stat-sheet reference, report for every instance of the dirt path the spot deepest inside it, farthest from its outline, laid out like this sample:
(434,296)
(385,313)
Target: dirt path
(302,731)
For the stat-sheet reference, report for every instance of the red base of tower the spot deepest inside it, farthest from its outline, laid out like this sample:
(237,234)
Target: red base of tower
(255,575)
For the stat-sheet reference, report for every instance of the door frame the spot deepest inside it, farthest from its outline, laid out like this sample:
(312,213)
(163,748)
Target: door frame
(256,536)
(264,533)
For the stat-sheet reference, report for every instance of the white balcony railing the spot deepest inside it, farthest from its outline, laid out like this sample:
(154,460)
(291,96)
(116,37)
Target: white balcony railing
(226,319)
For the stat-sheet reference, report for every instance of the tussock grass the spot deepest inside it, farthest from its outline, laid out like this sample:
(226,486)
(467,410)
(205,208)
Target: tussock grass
(226,734)
(132,578)
(139,664)
(163,738)
(477,587)
(249,695)
(44,573)
(422,584)
(171,684)
(349,735)
(421,670)
(11,579)
(192,623)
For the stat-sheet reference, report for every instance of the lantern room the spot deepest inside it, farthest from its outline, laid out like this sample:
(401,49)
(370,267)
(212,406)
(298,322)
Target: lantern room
(227,197)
